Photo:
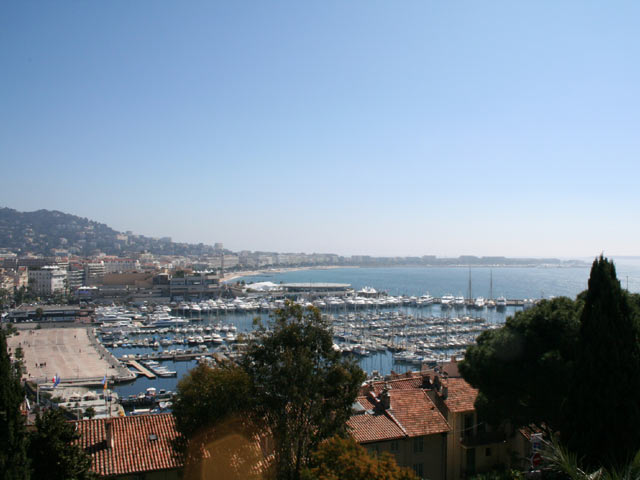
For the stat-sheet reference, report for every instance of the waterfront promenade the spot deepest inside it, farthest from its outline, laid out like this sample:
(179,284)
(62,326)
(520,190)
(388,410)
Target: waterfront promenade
(69,352)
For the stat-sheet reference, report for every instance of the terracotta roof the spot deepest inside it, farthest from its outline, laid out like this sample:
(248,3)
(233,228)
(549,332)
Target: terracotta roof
(403,383)
(412,414)
(416,413)
(374,428)
(367,403)
(134,450)
(460,396)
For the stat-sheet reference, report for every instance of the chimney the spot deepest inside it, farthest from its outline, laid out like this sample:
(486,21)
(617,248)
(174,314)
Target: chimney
(108,427)
(385,397)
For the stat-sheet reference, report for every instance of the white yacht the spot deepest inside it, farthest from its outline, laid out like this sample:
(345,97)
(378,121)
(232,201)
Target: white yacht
(447,300)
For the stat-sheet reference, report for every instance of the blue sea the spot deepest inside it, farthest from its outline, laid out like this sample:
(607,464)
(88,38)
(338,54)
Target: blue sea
(511,282)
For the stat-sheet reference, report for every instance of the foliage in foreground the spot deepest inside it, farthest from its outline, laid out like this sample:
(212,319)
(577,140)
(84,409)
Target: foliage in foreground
(290,384)
(52,450)
(14,463)
(523,370)
(571,366)
(343,459)
(559,459)
(602,415)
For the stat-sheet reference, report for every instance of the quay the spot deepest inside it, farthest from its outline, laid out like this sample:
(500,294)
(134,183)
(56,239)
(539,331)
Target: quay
(143,370)
(71,353)
(219,357)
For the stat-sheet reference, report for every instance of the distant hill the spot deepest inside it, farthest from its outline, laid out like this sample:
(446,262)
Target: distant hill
(44,231)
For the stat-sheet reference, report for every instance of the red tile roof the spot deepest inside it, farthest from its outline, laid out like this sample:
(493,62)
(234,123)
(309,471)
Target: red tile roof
(374,428)
(133,450)
(404,383)
(411,414)
(367,403)
(416,413)
(460,395)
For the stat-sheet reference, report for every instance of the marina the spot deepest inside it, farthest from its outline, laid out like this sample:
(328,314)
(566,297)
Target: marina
(397,334)
(154,345)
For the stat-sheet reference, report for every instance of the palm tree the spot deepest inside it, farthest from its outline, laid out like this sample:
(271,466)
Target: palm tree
(559,459)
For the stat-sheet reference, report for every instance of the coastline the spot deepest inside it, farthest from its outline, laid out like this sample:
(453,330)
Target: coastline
(265,271)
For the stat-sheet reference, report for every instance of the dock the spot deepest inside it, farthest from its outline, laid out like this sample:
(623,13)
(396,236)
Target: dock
(143,370)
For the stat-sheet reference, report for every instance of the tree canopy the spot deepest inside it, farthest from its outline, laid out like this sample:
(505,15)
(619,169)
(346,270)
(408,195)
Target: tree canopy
(602,418)
(53,454)
(341,458)
(206,397)
(13,439)
(289,382)
(523,369)
(570,365)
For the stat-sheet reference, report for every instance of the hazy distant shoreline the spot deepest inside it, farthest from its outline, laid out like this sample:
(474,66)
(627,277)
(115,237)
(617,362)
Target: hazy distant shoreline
(268,271)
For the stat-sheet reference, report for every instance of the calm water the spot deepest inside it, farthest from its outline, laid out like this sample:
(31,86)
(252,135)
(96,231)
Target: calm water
(512,282)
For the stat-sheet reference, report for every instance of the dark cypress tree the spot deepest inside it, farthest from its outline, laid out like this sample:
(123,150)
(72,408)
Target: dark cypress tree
(53,452)
(13,438)
(603,410)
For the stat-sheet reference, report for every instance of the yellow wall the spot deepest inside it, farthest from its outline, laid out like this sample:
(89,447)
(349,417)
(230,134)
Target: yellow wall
(432,456)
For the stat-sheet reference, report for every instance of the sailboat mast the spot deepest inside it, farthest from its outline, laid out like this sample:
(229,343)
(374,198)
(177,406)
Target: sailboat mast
(490,284)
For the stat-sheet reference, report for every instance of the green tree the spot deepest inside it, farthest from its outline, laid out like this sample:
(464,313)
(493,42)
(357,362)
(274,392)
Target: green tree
(289,384)
(5,298)
(341,458)
(523,369)
(557,458)
(13,454)
(90,412)
(602,418)
(302,387)
(207,397)
(53,454)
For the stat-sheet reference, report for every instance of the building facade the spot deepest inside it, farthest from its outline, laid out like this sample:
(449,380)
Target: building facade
(47,280)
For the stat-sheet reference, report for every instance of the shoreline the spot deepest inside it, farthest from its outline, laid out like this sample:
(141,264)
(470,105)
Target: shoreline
(266,271)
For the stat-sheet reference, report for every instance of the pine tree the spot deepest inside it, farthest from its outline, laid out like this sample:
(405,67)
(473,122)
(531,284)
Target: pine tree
(13,439)
(603,413)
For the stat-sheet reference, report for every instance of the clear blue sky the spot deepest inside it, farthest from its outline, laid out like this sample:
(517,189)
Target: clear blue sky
(355,127)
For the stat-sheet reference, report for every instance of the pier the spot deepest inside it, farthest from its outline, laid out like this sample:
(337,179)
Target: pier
(143,370)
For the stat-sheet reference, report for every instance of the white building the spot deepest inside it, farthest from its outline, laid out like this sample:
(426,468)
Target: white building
(47,280)
(121,265)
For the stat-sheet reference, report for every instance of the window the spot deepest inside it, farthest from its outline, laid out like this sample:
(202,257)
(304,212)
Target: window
(417,469)
(487,452)
(418,445)
(394,446)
